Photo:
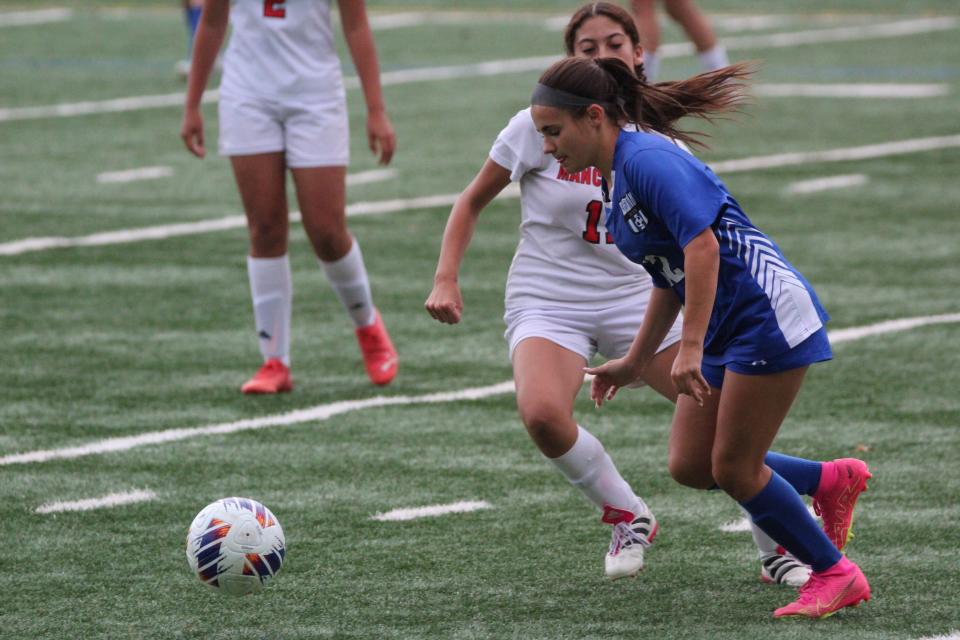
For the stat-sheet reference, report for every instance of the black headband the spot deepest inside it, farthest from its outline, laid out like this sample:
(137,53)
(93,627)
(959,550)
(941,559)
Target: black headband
(549,97)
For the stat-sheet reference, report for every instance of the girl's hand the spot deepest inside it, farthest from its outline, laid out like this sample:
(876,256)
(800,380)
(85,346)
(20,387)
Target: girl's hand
(191,131)
(686,373)
(445,303)
(609,377)
(381,137)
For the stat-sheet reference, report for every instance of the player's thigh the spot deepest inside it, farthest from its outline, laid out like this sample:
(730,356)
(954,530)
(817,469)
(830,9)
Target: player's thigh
(321,195)
(751,410)
(261,182)
(692,440)
(547,377)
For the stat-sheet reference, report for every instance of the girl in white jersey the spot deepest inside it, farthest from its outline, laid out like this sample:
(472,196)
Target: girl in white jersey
(283,105)
(571,294)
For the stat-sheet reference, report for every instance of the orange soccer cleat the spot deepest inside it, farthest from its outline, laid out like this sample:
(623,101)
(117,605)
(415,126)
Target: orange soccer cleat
(379,355)
(273,377)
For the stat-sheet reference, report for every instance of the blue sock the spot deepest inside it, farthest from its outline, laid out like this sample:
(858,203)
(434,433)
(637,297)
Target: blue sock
(192,15)
(803,475)
(780,512)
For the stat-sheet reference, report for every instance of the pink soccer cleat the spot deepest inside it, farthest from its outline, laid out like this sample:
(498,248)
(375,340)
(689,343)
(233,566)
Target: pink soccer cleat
(379,356)
(842,585)
(841,483)
(273,377)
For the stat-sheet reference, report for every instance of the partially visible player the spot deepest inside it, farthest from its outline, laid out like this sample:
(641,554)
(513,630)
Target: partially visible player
(710,52)
(283,106)
(191,18)
(570,294)
(751,324)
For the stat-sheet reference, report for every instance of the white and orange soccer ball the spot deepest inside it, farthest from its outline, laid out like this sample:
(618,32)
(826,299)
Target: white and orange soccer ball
(235,545)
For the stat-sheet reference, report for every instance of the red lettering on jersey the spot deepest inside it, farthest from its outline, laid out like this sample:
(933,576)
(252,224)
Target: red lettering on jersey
(274,9)
(590,175)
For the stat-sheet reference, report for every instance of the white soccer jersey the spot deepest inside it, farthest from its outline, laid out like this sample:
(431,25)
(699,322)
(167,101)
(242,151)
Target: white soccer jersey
(565,257)
(281,50)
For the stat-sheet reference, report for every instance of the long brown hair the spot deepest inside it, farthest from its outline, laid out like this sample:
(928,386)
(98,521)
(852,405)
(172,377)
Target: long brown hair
(606,9)
(656,107)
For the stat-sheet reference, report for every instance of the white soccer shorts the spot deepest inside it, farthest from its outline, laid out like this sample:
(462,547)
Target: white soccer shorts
(312,135)
(609,332)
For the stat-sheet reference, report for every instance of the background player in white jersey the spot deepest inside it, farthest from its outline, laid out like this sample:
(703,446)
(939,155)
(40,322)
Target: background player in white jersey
(571,294)
(283,105)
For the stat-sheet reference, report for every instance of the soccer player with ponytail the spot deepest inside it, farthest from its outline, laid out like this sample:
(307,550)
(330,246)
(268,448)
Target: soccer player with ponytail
(570,294)
(751,323)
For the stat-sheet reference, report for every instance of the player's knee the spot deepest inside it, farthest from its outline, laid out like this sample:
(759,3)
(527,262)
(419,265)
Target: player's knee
(267,237)
(733,475)
(541,420)
(689,474)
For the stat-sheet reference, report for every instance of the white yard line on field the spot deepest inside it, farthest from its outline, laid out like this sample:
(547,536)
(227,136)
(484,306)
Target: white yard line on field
(368,177)
(325,411)
(312,414)
(953,635)
(161,232)
(817,185)
(866,152)
(849,90)
(109,500)
(899,147)
(134,175)
(40,16)
(431,511)
(891,326)
(497,67)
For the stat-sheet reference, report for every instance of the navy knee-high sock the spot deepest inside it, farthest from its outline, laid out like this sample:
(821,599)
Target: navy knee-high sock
(803,475)
(780,512)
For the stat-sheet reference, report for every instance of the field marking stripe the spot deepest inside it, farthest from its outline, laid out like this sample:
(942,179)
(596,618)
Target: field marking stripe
(890,326)
(368,177)
(851,90)
(133,175)
(865,152)
(312,414)
(431,511)
(109,500)
(817,185)
(325,411)
(497,67)
(952,635)
(162,232)
(39,16)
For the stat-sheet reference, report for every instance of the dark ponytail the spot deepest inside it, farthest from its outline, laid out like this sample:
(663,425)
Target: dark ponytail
(657,107)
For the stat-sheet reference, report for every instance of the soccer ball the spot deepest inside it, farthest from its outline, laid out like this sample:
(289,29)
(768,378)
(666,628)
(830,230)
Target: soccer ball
(235,545)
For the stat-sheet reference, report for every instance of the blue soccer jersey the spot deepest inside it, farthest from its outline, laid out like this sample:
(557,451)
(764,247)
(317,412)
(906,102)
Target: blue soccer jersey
(663,197)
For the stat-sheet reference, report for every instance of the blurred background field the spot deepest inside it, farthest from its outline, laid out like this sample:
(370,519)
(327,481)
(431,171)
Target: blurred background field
(105,340)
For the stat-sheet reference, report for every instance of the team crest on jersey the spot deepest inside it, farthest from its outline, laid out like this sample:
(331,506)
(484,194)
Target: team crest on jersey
(632,213)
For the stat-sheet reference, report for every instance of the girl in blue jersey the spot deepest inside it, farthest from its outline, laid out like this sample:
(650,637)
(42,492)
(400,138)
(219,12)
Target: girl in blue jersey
(751,323)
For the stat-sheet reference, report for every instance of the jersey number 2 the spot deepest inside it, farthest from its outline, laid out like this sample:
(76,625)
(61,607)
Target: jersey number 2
(274,9)
(592,233)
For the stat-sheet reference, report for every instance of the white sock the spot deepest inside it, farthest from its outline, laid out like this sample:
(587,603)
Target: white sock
(713,58)
(272,291)
(766,545)
(588,467)
(651,65)
(348,277)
